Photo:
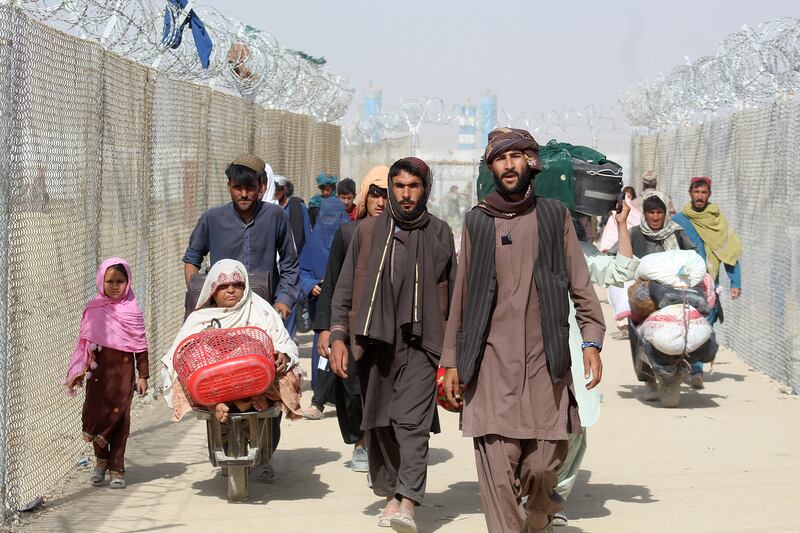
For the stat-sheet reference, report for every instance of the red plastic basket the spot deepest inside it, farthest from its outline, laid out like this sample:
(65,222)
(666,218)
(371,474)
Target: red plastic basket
(222,365)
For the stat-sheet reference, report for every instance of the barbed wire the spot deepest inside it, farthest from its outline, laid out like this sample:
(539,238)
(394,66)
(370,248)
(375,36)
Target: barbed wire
(407,118)
(751,66)
(245,60)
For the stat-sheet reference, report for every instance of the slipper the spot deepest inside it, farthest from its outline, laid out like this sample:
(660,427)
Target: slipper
(403,524)
(384,519)
(98,476)
(99,472)
(117,483)
(559,519)
(312,413)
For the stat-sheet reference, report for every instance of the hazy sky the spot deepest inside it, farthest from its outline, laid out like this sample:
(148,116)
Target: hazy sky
(536,56)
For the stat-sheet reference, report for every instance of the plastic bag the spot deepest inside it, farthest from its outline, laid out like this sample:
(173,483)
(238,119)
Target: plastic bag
(618,298)
(710,290)
(676,268)
(676,329)
(303,320)
(664,296)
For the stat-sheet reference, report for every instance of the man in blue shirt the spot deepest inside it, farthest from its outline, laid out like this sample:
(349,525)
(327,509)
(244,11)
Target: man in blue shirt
(717,244)
(248,230)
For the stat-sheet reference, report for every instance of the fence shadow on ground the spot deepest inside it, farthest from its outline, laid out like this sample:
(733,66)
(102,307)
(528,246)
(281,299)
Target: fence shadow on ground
(588,500)
(295,478)
(690,398)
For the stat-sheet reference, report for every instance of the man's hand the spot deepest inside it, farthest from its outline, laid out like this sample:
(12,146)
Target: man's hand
(281,363)
(592,365)
(338,359)
(735,293)
(324,344)
(283,310)
(141,386)
(221,412)
(452,388)
(622,216)
(189,270)
(316,290)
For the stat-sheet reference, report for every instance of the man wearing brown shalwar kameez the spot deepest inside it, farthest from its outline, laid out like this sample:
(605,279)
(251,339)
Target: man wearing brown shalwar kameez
(392,299)
(507,338)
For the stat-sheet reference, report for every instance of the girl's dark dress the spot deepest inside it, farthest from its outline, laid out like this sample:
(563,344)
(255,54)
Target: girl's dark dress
(107,409)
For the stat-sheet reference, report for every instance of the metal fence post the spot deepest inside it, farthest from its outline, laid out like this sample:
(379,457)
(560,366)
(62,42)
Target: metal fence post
(6,132)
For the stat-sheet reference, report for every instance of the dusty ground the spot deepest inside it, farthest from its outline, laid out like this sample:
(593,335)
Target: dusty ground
(727,460)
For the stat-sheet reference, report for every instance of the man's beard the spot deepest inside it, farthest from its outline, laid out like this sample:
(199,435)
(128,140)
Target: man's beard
(521,186)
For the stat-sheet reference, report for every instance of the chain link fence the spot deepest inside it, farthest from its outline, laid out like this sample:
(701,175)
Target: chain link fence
(358,158)
(101,156)
(752,158)
(453,192)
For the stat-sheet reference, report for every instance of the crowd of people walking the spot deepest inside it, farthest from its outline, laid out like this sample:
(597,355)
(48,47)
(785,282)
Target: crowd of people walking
(511,323)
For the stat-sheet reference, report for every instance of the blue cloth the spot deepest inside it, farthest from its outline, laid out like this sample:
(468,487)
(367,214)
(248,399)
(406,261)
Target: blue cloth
(173,37)
(314,257)
(221,232)
(291,322)
(734,271)
(323,179)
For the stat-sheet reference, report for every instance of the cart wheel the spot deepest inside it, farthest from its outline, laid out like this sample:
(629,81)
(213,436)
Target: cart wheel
(237,483)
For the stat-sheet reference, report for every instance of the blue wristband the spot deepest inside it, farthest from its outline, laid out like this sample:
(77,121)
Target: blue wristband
(591,344)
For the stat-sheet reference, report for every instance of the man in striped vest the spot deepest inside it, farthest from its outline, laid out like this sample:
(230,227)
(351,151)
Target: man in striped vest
(507,339)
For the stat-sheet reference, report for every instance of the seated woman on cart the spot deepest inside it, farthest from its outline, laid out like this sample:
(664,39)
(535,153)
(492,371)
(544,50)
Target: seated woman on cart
(227,301)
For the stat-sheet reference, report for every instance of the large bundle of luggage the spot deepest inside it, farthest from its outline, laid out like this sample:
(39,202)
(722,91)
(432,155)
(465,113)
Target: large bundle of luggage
(579,176)
(669,303)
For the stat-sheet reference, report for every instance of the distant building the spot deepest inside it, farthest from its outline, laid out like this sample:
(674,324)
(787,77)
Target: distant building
(467,127)
(373,101)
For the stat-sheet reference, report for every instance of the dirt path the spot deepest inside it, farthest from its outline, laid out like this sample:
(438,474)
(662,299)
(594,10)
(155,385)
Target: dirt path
(727,460)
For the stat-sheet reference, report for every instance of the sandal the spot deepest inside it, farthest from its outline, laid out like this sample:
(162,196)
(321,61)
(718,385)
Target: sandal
(384,519)
(403,523)
(98,472)
(117,481)
(559,519)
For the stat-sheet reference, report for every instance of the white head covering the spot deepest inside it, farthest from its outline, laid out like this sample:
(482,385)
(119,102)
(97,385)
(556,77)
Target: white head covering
(667,232)
(251,310)
(269,196)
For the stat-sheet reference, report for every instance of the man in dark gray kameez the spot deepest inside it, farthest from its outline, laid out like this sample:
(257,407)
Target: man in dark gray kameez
(392,300)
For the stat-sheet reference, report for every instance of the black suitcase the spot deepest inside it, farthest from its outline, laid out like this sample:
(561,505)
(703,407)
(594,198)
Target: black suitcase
(597,187)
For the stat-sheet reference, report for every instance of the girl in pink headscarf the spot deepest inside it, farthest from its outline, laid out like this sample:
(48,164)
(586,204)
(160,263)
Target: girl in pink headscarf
(111,342)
